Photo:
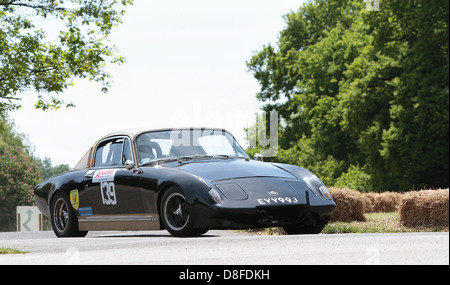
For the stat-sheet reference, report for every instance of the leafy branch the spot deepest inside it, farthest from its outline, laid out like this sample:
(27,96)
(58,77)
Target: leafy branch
(29,62)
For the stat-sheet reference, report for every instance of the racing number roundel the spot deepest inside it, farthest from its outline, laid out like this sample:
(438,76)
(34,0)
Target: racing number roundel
(107,186)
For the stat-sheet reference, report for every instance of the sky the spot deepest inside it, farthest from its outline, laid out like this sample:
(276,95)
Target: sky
(186,66)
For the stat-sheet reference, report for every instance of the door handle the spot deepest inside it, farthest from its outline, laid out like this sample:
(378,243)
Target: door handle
(89,174)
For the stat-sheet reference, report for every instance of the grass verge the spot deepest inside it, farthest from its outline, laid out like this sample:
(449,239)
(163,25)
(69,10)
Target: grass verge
(375,223)
(5,250)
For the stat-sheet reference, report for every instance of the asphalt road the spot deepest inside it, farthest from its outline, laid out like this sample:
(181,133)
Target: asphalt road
(226,248)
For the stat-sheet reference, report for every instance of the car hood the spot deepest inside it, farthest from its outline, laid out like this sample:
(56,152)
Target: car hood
(219,169)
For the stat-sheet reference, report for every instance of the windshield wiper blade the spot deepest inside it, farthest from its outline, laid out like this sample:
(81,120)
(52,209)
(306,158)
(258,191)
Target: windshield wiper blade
(187,157)
(222,155)
(200,156)
(181,158)
(165,160)
(159,161)
(231,156)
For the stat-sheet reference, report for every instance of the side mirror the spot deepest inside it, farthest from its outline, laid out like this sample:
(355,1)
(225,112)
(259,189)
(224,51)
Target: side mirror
(258,157)
(129,165)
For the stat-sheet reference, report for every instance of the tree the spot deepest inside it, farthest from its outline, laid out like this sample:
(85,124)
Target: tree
(30,61)
(395,98)
(363,95)
(20,172)
(50,171)
(300,79)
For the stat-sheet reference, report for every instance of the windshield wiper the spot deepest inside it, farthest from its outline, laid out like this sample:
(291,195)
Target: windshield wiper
(159,161)
(181,158)
(200,156)
(165,160)
(187,157)
(232,157)
(222,155)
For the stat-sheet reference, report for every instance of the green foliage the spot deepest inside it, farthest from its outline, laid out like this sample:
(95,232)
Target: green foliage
(354,178)
(18,176)
(50,171)
(5,250)
(363,95)
(29,60)
(19,173)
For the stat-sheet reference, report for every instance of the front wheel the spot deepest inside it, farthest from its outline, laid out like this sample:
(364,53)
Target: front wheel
(63,217)
(175,214)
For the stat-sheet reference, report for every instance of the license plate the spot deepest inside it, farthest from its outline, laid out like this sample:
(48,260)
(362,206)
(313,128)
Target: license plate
(277,200)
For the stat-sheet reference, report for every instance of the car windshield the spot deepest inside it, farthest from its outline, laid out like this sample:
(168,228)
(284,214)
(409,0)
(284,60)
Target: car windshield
(187,144)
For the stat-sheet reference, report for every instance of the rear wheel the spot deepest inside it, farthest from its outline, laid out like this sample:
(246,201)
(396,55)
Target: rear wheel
(63,217)
(175,214)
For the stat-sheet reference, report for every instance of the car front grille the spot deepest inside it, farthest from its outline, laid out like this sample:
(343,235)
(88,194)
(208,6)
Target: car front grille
(277,215)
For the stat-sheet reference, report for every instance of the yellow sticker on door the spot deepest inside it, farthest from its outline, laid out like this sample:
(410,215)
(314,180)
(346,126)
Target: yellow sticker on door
(75,199)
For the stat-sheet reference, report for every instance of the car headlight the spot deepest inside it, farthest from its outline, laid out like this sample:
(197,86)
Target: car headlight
(317,187)
(325,193)
(216,196)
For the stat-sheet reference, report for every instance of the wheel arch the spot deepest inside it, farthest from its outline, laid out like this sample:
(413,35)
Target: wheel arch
(194,189)
(162,189)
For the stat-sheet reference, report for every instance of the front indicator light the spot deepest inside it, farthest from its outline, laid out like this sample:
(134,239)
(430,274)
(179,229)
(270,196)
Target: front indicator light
(216,196)
(325,193)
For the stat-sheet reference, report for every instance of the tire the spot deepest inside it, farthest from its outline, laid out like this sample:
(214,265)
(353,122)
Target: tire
(63,217)
(304,230)
(175,214)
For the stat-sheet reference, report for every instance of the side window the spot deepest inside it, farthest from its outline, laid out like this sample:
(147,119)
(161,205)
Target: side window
(109,153)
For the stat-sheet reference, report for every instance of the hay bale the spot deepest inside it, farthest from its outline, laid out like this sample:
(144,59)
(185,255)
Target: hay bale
(349,205)
(382,202)
(370,202)
(426,208)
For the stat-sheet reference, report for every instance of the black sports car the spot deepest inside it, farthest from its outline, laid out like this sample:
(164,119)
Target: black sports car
(186,181)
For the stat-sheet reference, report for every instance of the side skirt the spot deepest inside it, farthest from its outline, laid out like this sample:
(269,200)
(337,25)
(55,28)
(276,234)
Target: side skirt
(119,222)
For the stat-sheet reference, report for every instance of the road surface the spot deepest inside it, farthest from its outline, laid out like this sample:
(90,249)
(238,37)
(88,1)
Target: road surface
(226,248)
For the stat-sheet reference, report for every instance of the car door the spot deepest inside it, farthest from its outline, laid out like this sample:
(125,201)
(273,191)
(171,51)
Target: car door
(113,190)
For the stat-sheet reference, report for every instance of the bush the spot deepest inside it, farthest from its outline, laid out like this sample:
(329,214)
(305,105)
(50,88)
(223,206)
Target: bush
(19,173)
(355,178)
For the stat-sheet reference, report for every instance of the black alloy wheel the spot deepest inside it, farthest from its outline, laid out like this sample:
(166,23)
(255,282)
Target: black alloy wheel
(63,217)
(175,214)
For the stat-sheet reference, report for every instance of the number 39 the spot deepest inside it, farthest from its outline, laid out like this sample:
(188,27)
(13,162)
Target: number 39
(108,191)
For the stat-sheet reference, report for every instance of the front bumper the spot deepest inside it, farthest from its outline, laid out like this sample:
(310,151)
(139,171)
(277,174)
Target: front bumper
(226,216)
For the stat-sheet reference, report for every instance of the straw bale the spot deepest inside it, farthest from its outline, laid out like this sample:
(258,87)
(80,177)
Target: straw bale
(382,202)
(427,208)
(349,205)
